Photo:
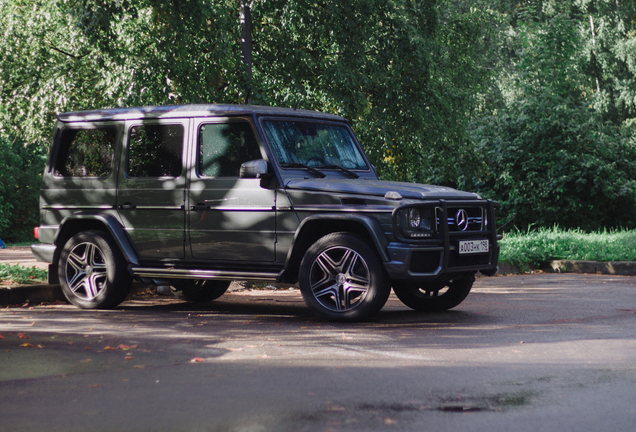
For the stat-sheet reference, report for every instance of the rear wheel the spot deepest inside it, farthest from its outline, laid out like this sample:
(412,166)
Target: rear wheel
(199,291)
(93,272)
(434,297)
(342,279)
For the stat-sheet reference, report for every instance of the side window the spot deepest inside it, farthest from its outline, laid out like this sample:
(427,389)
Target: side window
(85,152)
(155,151)
(223,147)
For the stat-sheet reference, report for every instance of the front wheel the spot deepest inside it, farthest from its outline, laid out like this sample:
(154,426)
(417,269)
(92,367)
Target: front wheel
(434,297)
(341,278)
(199,291)
(93,272)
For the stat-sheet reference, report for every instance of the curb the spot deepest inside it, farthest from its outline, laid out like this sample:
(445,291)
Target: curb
(41,293)
(620,268)
(31,294)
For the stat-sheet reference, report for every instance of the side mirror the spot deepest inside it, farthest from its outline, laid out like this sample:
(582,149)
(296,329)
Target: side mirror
(255,169)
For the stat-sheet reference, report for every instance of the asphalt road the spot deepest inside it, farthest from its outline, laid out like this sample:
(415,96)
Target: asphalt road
(522,353)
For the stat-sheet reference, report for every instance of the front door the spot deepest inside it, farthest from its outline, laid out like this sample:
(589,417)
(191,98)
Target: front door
(151,189)
(231,219)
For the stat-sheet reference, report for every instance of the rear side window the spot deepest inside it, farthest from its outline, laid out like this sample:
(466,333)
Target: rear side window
(223,147)
(85,152)
(155,151)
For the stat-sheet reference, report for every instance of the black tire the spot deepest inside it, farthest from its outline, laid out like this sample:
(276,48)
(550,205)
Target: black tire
(199,291)
(434,297)
(93,272)
(342,278)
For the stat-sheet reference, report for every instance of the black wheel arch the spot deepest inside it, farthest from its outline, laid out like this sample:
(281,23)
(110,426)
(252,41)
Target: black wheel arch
(314,227)
(78,222)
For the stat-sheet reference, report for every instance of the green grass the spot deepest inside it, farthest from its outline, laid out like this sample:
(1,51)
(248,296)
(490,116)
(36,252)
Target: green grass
(546,244)
(20,274)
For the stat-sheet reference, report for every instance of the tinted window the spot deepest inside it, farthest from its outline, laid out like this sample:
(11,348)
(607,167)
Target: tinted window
(86,152)
(313,144)
(223,147)
(155,151)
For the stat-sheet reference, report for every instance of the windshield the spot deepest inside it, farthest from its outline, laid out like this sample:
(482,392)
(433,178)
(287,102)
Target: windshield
(313,144)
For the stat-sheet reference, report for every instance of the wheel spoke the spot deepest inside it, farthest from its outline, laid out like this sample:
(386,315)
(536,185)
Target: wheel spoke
(327,265)
(332,292)
(93,286)
(95,258)
(77,281)
(348,261)
(78,262)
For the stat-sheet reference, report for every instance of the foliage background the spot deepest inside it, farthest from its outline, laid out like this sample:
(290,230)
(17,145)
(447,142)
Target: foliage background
(529,102)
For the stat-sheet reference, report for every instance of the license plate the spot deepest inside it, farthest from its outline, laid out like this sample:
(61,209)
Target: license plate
(473,247)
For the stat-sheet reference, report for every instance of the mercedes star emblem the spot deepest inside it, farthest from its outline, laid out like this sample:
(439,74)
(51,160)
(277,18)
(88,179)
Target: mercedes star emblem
(461,218)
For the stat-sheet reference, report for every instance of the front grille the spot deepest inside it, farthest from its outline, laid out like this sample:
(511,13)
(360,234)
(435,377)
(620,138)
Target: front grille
(473,218)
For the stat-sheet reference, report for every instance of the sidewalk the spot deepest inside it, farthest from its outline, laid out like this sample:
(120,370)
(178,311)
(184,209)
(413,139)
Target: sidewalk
(21,255)
(38,293)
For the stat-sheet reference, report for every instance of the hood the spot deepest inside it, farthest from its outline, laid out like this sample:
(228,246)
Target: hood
(378,188)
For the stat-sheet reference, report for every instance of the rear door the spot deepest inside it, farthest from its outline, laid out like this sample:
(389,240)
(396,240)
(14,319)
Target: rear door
(151,187)
(230,219)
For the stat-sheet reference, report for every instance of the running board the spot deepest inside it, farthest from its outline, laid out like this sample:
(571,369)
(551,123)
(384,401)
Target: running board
(172,273)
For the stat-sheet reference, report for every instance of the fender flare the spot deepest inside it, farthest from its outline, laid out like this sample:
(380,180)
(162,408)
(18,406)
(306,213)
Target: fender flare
(113,227)
(371,225)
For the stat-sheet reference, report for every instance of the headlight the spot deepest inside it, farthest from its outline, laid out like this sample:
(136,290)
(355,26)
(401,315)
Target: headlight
(414,218)
(416,222)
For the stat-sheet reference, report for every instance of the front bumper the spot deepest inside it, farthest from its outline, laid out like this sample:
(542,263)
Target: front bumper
(432,262)
(431,259)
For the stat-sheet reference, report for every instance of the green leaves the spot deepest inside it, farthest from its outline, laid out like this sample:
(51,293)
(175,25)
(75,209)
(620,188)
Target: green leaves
(20,179)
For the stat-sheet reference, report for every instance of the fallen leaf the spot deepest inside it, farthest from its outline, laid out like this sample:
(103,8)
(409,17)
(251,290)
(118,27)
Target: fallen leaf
(197,360)
(23,336)
(1,337)
(87,348)
(109,348)
(123,347)
(32,324)
(40,346)
(27,345)
(129,357)
(389,421)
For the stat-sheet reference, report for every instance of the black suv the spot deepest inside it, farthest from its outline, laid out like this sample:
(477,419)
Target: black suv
(197,196)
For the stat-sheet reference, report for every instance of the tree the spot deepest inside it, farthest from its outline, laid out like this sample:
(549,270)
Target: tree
(547,155)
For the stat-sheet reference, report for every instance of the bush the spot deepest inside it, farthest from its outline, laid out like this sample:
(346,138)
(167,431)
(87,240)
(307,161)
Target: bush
(551,163)
(547,156)
(20,180)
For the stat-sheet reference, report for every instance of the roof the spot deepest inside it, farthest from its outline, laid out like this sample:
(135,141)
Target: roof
(180,111)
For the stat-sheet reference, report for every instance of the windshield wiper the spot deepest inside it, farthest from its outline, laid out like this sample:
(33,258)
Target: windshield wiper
(344,170)
(314,171)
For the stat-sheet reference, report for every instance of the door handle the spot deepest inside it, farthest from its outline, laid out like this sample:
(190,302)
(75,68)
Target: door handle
(201,207)
(127,206)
